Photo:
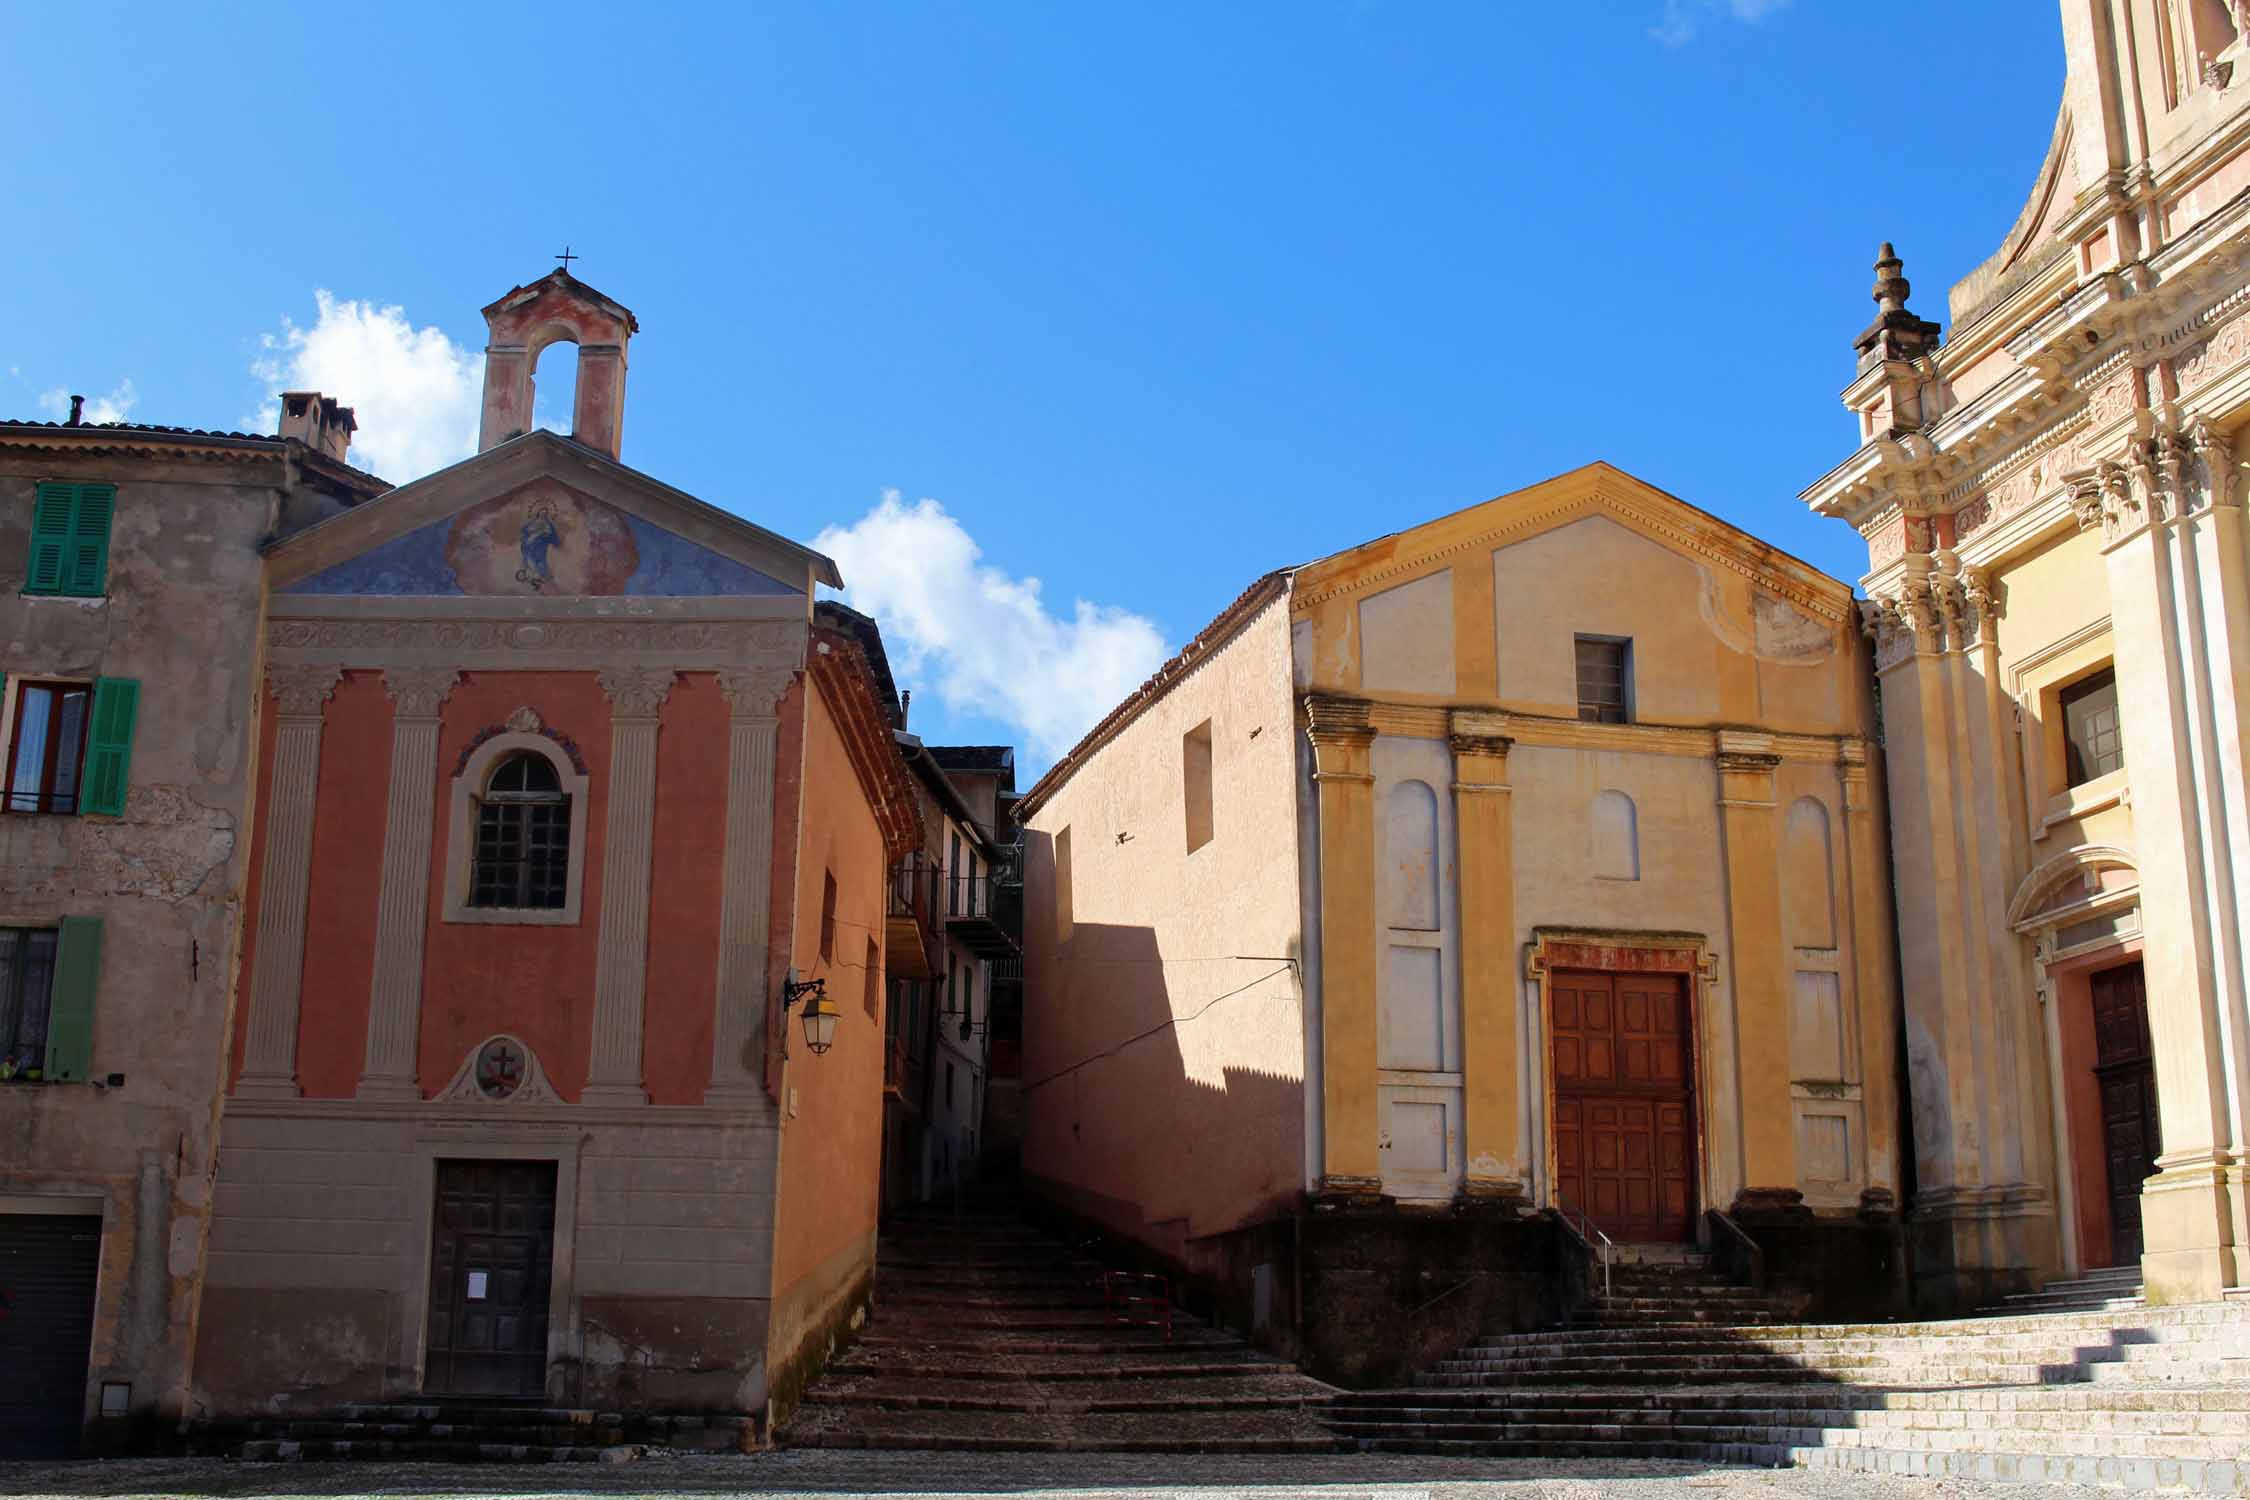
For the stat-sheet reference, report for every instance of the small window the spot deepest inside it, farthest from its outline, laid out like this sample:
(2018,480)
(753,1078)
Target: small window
(47,760)
(1195,778)
(70,539)
(828,917)
(1605,679)
(2091,743)
(48,978)
(949,1085)
(954,880)
(1065,913)
(27,981)
(869,979)
(522,854)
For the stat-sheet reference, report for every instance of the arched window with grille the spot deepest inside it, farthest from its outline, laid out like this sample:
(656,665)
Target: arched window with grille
(518,832)
(523,837)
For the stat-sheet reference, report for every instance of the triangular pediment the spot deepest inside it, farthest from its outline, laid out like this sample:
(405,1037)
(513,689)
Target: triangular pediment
(1598,490)
(542,516)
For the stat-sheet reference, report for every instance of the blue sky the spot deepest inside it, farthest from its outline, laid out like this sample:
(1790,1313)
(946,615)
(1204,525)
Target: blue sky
(1146,299)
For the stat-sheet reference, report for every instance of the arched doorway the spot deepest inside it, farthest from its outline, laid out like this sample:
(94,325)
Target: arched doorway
(2081,910)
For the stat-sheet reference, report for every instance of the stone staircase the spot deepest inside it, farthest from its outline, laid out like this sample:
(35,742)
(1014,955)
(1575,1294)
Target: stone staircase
(2115,1289)
(1673,1366)
(437,1430)
(990,1335)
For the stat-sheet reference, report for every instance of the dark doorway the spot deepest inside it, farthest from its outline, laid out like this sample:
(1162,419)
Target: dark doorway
(48,1267)
(1625,1102)
(2125,1075)
(491,1267)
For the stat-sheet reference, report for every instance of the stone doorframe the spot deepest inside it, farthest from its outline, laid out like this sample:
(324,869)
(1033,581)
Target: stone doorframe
(1687,954)
(2080,911)
(511,1140)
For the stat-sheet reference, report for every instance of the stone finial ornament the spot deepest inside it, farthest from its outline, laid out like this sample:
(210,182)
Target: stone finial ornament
(1891,286)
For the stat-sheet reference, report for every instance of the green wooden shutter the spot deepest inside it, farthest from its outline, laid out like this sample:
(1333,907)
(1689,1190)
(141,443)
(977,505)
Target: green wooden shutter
(70,1007)
(109,746)
(50,538)
(86,560)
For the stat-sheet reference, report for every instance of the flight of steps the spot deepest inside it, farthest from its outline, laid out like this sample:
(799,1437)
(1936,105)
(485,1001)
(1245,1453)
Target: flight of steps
(436,1430)
(991,1335)
(2113,1290)
(2135,1397)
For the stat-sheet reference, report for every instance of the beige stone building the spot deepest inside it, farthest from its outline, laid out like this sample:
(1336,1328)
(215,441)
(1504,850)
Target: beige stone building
(2060,595)
(129,637)
(1526,859)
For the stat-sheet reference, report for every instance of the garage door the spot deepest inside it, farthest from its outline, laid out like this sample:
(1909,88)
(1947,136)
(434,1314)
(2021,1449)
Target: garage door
(47,1268)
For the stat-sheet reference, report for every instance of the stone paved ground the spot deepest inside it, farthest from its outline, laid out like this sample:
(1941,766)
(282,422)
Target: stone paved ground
(1022,1476)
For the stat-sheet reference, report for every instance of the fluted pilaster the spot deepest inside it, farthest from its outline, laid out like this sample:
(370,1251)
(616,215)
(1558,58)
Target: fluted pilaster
(394,1011)
(636,696)
(301,694)
(746,881)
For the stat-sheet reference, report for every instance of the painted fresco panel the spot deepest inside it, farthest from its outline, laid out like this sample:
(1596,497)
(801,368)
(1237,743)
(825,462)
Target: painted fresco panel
(543,539)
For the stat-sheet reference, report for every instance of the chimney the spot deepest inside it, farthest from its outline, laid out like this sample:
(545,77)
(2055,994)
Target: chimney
(318,422)
(77,408)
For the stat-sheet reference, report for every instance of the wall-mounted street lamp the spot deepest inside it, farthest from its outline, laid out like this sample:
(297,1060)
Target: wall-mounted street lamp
(819,1016)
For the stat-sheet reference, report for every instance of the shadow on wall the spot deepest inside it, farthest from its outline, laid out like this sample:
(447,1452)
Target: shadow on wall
(1137,1124)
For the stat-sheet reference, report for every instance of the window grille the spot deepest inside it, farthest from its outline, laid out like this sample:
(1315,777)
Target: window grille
(1604,684)
(523,837)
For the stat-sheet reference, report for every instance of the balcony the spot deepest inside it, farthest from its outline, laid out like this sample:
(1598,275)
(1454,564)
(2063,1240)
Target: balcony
(971,916)
(910,918)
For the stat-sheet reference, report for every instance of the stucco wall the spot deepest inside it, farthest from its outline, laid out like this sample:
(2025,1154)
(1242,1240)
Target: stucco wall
(1163,1036)
(832,1113)
(182,616)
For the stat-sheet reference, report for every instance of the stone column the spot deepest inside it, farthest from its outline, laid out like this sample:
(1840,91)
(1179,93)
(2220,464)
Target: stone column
(1484,823)
(269,1065)
(636,695)
(1342,741)
(394,1003)
(1868,911)
(1746,765)
(746,883)
(2176,753)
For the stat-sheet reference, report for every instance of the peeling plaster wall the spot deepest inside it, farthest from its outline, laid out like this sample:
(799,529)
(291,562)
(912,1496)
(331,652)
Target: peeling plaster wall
(181,616)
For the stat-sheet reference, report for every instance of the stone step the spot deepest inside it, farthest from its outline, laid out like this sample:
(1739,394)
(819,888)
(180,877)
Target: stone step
(2228,1431)
(269,1450)
(330,1430)
(2198,1476)
(1107,1342)
(470,1413)
(1277,1431)
(1220,1393)
(1048,1368)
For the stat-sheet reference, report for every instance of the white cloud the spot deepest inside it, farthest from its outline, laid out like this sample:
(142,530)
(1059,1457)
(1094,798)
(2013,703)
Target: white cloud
(114,407)
(415,392)
(992,643)
(1683,18)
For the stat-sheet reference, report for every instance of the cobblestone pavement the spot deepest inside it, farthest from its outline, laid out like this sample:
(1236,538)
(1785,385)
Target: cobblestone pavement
(1024,1476)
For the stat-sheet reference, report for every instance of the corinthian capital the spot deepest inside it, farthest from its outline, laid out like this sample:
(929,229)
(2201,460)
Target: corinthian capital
(754,692)
(303,690)
(419,692)
(636,692)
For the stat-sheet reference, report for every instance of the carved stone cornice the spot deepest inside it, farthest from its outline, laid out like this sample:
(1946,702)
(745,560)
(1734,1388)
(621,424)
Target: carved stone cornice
(755,692)
(636,692)
(469,643)
(419,692)
(1338,721)
(1482,746)
(302,690)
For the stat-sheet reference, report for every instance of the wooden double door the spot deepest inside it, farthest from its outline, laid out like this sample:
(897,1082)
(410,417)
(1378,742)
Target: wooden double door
(2125,1079)
(492,1255)
(1623,1068)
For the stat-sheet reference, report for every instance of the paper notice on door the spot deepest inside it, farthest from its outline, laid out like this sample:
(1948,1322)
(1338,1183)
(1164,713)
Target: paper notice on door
(476,1286)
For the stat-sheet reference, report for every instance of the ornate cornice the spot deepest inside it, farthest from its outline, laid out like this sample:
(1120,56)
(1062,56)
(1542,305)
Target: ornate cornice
(302,690)
(1338,721)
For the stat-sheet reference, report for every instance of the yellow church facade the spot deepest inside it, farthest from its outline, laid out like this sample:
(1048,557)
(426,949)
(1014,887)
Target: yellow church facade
(1588,912)
(2059,591)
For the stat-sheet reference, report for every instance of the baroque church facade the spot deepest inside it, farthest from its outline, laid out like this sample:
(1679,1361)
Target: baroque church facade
(2059,597)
